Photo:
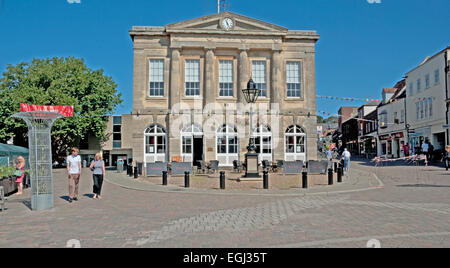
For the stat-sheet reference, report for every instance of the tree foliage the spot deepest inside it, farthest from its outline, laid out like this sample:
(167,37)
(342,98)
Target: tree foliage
(329,120)
(58,81)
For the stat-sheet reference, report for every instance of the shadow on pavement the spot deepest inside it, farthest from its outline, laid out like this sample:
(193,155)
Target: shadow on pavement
(65,197)
(400,163)
(27,203)
(424,186)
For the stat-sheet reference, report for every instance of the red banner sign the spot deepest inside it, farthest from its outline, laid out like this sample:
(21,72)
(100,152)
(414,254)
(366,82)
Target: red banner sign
(66,111)
(398,135)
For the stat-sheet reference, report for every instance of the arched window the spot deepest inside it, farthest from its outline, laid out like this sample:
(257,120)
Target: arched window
(227,145)
(155,144)
(263,142)
(295,144)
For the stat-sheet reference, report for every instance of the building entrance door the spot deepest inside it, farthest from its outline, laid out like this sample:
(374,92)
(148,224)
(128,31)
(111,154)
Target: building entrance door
(198,151)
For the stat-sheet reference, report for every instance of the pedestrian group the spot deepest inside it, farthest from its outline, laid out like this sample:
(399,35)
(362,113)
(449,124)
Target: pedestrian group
(74,173)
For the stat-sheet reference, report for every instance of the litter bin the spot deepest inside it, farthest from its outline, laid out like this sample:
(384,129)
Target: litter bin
(140,167)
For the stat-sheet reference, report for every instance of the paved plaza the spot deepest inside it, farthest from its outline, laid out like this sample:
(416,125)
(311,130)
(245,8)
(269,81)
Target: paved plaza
(400,206)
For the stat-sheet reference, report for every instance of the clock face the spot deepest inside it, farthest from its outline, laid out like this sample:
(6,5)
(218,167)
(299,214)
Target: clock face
(227,24)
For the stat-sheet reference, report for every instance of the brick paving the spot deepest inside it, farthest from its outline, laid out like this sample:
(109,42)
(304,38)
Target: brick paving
(411,209)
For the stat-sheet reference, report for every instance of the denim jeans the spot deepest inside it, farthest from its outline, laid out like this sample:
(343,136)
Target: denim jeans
(347,164)
(98,182)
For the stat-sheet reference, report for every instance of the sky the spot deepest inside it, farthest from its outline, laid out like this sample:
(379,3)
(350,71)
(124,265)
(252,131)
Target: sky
(365,46)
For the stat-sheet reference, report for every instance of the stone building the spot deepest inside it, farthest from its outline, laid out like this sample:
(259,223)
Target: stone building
(426,102)
(187,91)
(392,131)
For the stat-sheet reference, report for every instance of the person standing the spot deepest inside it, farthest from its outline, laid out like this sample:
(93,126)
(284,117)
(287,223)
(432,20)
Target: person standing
(74,172)
(447,157)
(346,157)
(20,174)
(406,149)
(425,149)
(99,172)
(430,152)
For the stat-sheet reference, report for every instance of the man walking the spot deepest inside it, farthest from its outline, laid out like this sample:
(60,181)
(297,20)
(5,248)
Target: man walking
(74,172)
(346,156)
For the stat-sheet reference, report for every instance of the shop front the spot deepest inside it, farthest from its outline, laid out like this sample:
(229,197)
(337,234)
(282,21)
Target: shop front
(418,138)
(391,145)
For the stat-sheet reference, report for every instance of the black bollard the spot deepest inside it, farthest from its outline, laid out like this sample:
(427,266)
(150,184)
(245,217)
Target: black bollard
(335,167)
(164,178)
(305,180)
(330,176)
(222,180)
(266,179)
(186,180)
(339,175)
(136,174)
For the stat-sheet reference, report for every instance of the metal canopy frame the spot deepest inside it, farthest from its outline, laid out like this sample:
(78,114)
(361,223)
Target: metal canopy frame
(40,147)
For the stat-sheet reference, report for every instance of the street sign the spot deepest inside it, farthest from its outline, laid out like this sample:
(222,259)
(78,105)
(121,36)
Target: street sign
(293,168)
(317,167)
(446,126)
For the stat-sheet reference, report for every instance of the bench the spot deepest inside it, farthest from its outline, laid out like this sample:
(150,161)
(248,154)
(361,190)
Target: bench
(2,198)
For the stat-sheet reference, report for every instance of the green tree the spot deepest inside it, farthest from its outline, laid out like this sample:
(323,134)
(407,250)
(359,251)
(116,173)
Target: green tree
(331,120)
(319,119)
(58,81)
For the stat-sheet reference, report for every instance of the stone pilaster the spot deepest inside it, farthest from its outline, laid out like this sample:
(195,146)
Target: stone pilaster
(276,88)
(174,96)
(209,92)
(244,75)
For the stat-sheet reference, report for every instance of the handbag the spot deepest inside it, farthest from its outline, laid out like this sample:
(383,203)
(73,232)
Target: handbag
(18,173)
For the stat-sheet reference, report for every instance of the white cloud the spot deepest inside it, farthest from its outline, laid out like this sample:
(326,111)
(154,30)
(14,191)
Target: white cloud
(74,1)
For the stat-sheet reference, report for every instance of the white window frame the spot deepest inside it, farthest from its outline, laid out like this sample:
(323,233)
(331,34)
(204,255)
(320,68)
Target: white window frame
(427,81)
(259,76)
(156,131)
(263,132)
(156,76)
(417,111)
(421,111)
(226,78)
(228,132)
(192,77)
(293,75)
(297,132)
(437,77)
(430,107)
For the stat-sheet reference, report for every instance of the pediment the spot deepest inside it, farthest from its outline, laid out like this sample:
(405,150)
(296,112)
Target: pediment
(212,23)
